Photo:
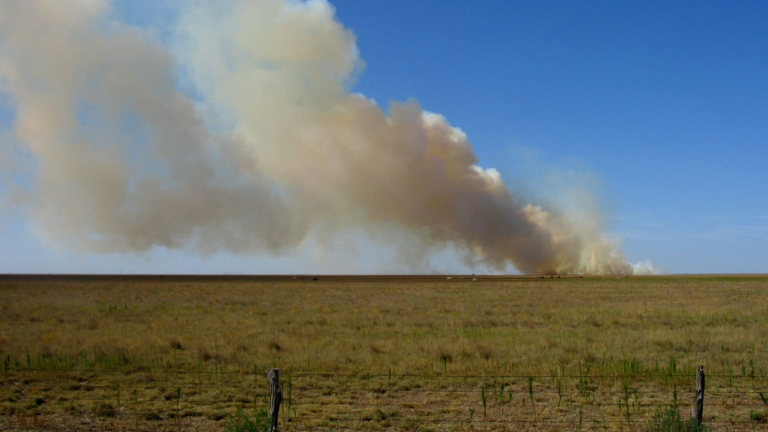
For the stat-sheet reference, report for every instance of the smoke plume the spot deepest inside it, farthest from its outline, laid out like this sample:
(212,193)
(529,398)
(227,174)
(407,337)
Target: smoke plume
(272,149)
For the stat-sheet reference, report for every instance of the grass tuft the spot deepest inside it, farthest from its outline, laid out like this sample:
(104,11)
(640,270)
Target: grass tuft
(105,410)
(275,346)
(240,422)
(150,415)
(668,420)
(175,344)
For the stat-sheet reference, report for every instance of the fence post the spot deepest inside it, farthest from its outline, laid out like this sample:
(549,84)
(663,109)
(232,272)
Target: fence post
(275,397)
(698,407)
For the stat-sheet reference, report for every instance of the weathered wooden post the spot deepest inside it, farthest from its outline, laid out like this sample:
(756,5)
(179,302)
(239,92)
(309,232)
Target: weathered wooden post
(275,397)
(698,406)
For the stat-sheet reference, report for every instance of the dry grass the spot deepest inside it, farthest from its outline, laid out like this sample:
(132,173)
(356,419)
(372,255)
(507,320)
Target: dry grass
(576,338)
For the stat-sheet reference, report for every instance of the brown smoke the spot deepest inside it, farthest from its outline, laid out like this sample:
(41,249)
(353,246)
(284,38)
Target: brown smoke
(274,150)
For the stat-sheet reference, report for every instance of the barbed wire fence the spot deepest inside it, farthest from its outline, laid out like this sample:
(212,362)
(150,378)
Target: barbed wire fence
(74,399)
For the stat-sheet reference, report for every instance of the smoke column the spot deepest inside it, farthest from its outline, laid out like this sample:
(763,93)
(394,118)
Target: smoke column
(272,150)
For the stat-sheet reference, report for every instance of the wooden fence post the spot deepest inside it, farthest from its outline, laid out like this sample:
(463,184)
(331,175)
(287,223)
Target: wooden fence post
(275,397)
(698,407)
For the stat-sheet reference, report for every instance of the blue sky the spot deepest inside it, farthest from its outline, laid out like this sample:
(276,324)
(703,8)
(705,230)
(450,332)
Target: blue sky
(664,103)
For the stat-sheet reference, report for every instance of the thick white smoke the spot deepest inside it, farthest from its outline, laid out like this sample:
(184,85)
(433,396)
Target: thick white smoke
(127,162)
(124,162)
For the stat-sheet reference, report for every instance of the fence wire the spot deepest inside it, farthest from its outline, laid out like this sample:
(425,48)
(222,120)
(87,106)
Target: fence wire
(38,398)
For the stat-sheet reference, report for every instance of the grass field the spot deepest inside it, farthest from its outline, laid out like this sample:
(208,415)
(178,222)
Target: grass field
(381,353)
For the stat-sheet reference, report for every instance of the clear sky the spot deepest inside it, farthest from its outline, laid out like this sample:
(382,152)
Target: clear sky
(659,107)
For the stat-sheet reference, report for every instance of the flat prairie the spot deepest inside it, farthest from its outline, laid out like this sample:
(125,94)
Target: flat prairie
(381,352)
